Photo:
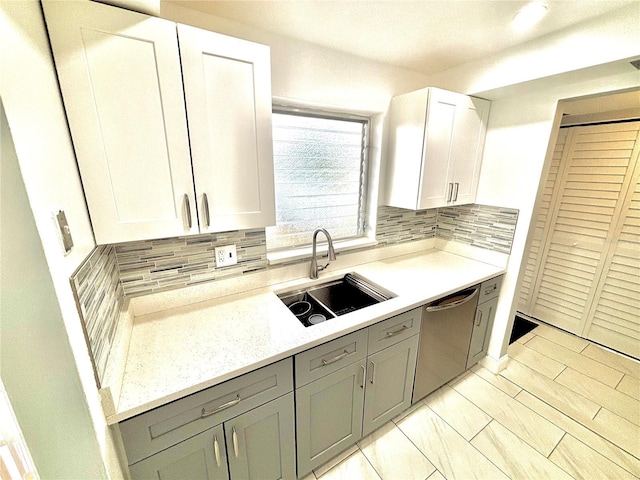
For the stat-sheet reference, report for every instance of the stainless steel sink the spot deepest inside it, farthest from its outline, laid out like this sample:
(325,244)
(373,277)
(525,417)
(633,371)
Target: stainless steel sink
(318,303)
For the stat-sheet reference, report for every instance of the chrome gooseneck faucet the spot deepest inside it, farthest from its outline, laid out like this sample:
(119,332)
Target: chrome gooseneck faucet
(313,273)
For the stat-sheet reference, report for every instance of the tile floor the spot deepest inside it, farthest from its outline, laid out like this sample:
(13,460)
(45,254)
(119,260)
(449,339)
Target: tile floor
(563,408)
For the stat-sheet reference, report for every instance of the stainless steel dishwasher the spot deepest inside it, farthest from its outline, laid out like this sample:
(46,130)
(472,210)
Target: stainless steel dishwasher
(445,335)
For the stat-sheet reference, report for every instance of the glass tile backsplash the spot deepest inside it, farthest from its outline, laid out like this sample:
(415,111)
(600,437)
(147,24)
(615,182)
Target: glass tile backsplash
(99,296)
(114,272)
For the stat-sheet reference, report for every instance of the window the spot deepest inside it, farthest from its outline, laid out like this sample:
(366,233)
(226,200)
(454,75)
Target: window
(320,177)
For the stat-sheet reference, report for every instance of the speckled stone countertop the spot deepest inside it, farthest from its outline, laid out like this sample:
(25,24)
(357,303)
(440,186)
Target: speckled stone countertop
(179,351)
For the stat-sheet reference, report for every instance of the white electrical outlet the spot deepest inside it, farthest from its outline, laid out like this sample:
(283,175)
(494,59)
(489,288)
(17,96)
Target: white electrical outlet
(226,256)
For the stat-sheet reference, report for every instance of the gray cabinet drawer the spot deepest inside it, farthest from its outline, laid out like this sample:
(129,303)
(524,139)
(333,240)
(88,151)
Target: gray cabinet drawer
(394,329)
(170,424)
(490,289)
(329,357)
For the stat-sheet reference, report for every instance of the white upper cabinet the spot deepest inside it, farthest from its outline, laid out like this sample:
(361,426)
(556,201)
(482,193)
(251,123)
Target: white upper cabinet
(227,84)
(120,78)
(122,85)
(436,139)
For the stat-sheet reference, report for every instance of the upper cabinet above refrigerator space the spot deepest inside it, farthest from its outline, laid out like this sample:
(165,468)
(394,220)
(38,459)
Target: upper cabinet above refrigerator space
(152,167)
(436,138)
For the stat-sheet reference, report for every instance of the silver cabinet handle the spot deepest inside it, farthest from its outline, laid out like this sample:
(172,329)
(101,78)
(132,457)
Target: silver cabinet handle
(207,413)
(400,330)
(373,372)
(205,205)
(335,359)
(234,435)
(364,373)
(449,192)
(479,317)
(490,289)
(216,449)
(455,190)
(188,204)
(447,306)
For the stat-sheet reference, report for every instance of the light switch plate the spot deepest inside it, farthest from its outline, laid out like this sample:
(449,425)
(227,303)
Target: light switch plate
(64,231)
(226,256)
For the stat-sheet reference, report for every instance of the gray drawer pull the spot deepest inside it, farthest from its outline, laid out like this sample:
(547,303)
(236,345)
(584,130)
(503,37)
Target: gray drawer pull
(216,449)
(364,373)
(336,358)
(396,332)
(490,289)
(373,372)
(207,413)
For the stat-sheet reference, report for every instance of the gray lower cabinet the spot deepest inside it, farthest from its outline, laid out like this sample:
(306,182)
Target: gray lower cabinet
(201,457)
(483,322)
(329,415)
(389,384)
(485,313)
(259,445)
(335,410)
(261,442)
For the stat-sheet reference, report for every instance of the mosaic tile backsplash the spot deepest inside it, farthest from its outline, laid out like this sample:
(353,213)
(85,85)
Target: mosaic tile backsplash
(479,225)
(113,272)
(99,296)
(396,225)
(157,265)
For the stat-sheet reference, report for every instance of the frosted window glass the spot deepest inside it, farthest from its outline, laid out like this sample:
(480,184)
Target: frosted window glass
(319,178)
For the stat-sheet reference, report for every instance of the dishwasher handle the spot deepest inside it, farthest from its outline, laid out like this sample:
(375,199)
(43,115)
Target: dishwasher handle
(457,303)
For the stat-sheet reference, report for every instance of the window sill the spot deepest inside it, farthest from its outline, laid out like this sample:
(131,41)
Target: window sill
(286,256)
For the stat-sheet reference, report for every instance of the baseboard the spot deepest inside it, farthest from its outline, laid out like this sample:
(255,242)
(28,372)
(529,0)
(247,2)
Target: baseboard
(495,366)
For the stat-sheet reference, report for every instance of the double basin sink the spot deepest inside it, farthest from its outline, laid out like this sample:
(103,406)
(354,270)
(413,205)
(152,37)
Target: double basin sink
(322,302)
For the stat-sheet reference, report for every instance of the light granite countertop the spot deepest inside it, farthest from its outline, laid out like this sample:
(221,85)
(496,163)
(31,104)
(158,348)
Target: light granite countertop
(178,351)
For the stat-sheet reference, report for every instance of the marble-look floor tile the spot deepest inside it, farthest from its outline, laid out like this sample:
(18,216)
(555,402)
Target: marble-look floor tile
(581,461)
(560,337)
(556,395)
(452,455)
(524,422)
(610,398)
(614,360)
(513,456)
(457,411)
(535,360)
(582,433)
(630,386)
(577,361)
(325,467)
(436,476)
(355,466)
(502,383)
(618,430)
(393,455)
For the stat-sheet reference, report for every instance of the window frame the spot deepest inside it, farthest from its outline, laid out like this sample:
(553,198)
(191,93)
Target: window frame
(366,237)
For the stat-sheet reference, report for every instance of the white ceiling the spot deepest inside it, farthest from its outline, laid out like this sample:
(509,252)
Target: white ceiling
(427,36)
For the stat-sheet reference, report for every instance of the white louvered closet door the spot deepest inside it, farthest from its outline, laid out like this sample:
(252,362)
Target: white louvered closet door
(583,222)
(614,319)
(542,225)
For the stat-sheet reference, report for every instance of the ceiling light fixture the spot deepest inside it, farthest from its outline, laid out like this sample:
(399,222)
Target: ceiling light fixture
(529,15)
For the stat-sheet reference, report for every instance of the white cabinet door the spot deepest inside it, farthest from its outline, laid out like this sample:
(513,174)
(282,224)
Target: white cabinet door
(436,140)
(227,84)
(467,145)
(120,78)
